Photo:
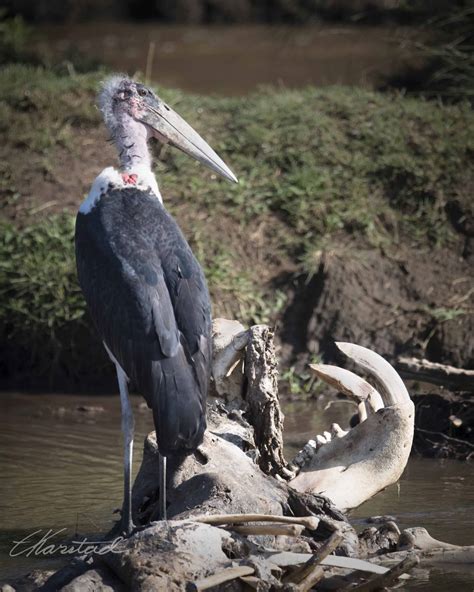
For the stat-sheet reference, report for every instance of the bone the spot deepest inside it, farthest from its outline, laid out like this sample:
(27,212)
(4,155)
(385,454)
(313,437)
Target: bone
(393,387)
(350,384)
(293,530)
(362,409)
(353,467)
(387,580)
(225,575)
(229,341)
(305,570)
(419,538)
(337,431)
(309,522)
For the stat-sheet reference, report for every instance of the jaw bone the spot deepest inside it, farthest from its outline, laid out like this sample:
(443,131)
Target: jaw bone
(355,465)
(348,467)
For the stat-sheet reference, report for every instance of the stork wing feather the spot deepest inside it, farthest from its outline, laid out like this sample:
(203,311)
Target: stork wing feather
(149,301)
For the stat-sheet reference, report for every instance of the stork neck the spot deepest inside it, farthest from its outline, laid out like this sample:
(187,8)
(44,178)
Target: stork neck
(131,138)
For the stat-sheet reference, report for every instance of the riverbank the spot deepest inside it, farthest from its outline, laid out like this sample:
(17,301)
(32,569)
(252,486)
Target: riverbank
(353,206)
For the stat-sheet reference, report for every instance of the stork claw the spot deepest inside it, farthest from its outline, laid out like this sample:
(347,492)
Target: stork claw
(127,527)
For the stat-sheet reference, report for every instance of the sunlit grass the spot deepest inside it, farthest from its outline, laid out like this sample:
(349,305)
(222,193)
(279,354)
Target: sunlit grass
(316,163)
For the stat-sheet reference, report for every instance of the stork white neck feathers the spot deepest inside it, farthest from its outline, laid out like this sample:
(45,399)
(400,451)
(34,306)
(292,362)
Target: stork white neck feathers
(111,178)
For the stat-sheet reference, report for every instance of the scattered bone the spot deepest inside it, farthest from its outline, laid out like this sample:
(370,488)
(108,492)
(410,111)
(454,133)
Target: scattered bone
(309,522)
(381,582)
(307,568)
(292,530)
(315,576)
(226,575)
(433,550)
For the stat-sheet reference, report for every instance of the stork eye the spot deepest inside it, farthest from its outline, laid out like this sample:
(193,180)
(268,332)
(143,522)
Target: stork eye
(142,92)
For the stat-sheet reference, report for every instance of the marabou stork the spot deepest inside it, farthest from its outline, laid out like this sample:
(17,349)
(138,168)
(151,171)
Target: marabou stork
(144,288)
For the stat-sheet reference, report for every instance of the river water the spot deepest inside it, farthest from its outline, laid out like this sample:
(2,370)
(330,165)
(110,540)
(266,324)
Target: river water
(235,60)
(61,468)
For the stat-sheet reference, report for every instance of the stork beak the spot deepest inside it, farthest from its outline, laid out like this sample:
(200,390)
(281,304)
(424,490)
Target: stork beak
(170,128)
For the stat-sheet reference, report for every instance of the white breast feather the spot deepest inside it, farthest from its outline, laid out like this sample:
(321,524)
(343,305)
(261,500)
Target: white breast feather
(110,177)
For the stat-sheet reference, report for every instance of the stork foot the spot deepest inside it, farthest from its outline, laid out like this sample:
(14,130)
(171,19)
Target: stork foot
(127,527)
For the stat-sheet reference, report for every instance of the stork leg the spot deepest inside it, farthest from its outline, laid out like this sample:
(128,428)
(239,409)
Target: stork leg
(128,425)
(162,483)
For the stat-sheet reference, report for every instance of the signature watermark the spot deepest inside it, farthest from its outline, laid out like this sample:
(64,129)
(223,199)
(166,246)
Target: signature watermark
(45,543)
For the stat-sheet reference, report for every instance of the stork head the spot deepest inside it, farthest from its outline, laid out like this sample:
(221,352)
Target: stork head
(126,104)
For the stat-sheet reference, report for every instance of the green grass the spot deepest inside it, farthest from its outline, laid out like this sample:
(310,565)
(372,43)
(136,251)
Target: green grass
(315,166)
(42,316)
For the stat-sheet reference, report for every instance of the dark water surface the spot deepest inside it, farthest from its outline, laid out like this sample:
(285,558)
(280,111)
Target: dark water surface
(235,60)
(61,467)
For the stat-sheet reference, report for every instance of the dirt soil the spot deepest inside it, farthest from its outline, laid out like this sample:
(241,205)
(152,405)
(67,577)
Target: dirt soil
(399,304)
(444,425)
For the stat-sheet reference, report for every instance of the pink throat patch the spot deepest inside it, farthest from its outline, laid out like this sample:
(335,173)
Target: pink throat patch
(129,179)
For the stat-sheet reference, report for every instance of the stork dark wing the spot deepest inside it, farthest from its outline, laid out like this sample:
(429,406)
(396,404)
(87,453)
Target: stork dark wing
(149,301)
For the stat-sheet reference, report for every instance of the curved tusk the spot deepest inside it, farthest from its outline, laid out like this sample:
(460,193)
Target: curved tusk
(380,369)
(350,384)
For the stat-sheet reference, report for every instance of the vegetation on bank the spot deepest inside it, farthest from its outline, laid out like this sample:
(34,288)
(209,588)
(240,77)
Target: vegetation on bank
(318,168)
(446,67)
(229,11)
